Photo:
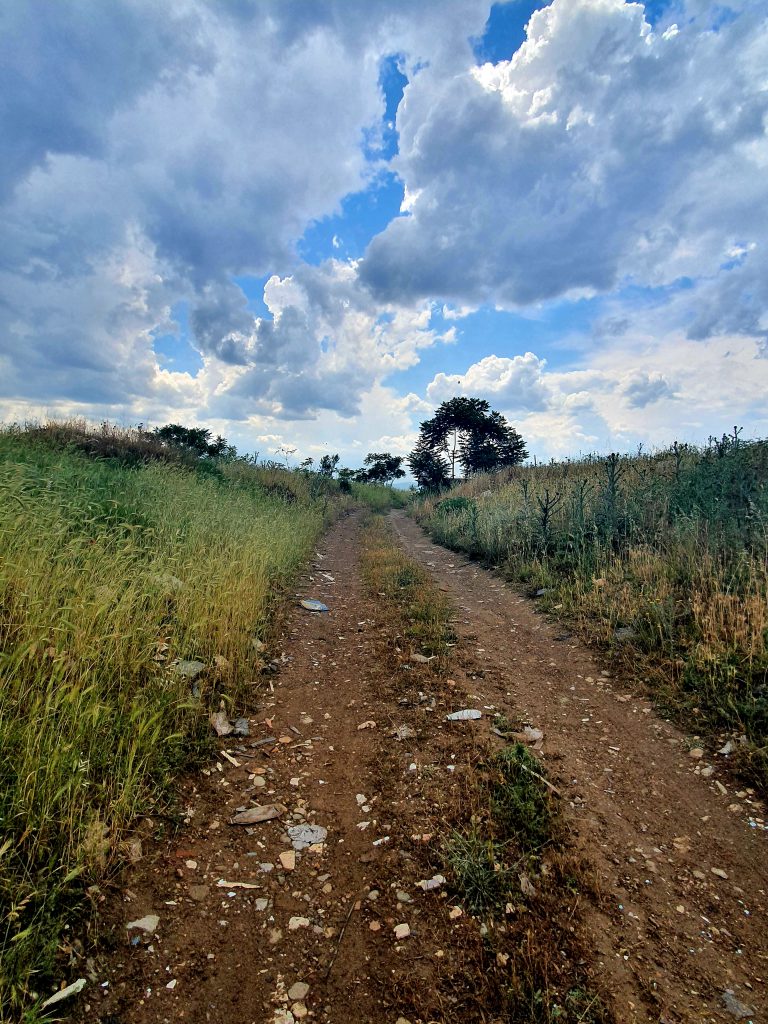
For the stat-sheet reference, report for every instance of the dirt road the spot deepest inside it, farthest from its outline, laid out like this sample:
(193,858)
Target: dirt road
(253,930)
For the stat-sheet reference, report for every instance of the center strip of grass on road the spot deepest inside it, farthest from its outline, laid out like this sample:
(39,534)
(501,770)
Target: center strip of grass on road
(505,849)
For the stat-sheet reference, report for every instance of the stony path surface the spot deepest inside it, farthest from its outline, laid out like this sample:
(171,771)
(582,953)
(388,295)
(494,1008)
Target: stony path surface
(681,857)
(251,929)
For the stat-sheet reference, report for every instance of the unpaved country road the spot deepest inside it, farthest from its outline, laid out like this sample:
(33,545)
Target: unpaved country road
(678,934)
(248,936)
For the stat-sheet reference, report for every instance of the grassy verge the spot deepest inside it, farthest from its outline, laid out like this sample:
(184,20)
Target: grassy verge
(505,852)
(111,569)
(424,613)
(662,560)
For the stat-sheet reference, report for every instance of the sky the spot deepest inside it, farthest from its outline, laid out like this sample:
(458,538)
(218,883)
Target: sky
(307,223)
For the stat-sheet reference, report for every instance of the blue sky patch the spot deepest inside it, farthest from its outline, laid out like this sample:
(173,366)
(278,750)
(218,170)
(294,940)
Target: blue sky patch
(175,351)
(363,215)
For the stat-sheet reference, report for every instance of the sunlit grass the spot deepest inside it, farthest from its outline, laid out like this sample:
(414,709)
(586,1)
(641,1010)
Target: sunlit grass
(107,574)
(425,612)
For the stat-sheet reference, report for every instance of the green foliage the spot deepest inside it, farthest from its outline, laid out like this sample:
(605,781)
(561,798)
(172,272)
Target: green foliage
(484,884)
(328,464)
(429,467)
(468,431)
(426,614)
(486,860)
(108,572)
(382,468)
(377,497)
(520,802)
(197,440)
(456,505)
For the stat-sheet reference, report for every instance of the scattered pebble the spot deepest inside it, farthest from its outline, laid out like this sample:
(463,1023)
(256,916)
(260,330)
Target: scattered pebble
(404,732)
(431,883)
(288,860)
(302,836)
(64,993)
(146,924)
(257,815)
(402,931)
(221,724)
(466,715)
(735,1006)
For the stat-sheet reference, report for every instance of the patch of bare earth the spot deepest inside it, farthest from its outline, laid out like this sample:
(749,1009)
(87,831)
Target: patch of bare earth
(252,930)
(680,853)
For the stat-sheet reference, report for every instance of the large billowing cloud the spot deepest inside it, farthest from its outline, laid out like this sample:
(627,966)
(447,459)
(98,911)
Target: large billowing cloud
(601,152)
(649,388)
(152,151)
(157,154)
(326,343)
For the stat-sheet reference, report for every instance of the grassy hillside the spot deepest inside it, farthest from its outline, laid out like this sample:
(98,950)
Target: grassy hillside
(118,557)
(661,558)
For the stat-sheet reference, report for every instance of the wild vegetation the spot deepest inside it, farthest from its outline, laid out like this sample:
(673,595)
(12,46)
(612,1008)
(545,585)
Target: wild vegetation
(123,555)
(662,558)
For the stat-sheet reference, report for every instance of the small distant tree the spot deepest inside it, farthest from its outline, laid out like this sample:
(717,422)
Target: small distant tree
(346,478)
(328,464)
(429,468)
(383,468)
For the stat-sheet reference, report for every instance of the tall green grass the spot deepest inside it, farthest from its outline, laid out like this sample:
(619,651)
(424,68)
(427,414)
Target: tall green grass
(662,558)
(109,572)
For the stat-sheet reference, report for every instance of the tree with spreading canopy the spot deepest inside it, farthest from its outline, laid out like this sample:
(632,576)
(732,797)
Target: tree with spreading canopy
(468,432)
(383,468)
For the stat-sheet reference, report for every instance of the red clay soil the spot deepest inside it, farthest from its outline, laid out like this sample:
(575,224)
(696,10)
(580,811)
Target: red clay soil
(247,936)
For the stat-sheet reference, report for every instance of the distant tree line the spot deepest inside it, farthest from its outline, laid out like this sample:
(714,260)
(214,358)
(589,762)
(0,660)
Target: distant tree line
(378,467)
(464,434)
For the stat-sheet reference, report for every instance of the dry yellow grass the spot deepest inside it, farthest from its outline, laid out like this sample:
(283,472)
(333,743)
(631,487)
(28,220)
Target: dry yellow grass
(661,558)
